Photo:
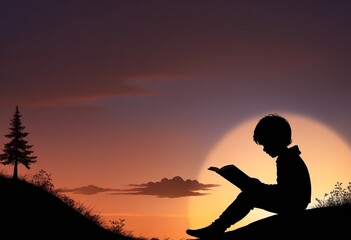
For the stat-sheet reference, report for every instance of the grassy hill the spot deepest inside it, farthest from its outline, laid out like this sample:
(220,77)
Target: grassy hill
(30,212)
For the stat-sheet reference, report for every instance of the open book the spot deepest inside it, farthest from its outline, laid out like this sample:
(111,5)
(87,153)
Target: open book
(234,175)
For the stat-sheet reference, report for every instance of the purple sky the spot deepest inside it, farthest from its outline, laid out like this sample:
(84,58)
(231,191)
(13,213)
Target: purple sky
(109,88)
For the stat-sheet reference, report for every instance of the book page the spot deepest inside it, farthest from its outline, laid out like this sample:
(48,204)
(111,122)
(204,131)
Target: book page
(216,169)
(234,175)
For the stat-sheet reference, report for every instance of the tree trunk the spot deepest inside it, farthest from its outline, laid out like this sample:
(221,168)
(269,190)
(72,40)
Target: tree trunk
(15,171)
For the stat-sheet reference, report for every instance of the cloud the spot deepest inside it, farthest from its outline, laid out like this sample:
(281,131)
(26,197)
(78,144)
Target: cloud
(170,188)
(166,188)
(87,190)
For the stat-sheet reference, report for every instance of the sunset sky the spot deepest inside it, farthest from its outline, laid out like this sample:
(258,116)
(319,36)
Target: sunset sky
(128,102)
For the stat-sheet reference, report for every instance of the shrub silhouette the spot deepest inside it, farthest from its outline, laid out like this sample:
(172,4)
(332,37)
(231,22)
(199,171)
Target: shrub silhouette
(118,226)
(339,196)
(43,180)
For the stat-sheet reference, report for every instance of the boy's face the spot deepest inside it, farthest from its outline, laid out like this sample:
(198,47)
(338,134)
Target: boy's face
(273,149)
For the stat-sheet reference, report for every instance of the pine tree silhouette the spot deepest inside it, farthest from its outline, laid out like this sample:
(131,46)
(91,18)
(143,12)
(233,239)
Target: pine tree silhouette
(17,151)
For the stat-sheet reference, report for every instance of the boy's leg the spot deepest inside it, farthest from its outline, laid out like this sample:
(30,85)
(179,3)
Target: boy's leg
(237,210)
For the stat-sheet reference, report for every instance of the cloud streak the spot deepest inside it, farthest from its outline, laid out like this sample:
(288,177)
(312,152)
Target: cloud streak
(166,188)
(87,190)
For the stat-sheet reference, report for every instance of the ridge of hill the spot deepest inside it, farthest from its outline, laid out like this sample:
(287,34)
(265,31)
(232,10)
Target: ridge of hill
(28,211)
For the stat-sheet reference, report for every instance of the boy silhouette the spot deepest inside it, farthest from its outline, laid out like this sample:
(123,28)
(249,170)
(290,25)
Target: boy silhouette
(290,195)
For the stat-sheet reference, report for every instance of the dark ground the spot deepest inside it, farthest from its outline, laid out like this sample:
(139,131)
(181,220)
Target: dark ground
(29,212)
(316,223)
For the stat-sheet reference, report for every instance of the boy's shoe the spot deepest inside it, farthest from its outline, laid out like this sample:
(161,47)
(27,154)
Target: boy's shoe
(210,232)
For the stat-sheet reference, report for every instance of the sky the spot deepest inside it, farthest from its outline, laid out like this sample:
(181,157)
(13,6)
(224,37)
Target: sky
(125,101)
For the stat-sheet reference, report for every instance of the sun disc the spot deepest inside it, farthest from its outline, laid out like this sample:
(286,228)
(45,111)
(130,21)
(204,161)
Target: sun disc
(327,155)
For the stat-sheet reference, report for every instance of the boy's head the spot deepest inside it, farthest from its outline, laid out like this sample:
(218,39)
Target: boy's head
(272,129)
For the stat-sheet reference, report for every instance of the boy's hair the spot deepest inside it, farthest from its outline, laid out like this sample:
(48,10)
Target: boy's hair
(272,128)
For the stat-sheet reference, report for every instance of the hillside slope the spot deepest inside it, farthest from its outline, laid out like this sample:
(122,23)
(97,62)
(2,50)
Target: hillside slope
(27,211)
(316,223)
